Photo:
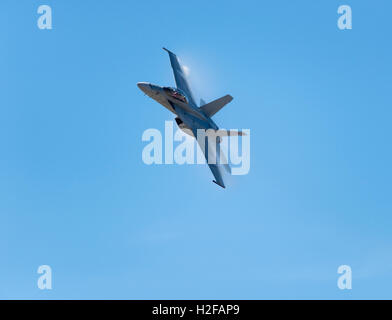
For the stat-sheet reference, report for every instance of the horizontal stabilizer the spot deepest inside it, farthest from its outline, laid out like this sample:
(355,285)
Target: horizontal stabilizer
(226,133)
(213,107)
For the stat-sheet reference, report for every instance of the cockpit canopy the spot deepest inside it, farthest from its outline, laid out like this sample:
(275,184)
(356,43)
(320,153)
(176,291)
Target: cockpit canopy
(176,94)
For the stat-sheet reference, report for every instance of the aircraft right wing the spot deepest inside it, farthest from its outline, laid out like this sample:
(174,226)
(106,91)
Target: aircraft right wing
(180,77)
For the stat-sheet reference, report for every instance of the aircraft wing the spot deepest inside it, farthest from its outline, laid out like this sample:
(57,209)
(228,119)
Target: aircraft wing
(180,77)
(216,168)
(216,171)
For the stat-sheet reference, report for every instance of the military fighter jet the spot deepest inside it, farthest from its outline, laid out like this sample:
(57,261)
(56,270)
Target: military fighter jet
(189,116)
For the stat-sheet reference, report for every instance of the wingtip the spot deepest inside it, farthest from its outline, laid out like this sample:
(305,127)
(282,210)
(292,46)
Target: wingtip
(219,184)
(168,51)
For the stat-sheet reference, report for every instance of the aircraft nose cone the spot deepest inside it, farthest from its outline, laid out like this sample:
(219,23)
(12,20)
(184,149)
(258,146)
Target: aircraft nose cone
(144,86)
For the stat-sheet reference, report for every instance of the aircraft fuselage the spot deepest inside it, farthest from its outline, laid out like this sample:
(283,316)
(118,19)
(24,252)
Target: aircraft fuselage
(177,103)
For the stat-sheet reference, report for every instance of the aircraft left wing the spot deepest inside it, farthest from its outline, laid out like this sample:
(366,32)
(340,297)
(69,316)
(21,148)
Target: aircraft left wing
(180,77)
(215,168)
(216,171)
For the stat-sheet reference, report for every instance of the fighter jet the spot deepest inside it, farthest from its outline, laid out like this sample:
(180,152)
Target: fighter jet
(189,116)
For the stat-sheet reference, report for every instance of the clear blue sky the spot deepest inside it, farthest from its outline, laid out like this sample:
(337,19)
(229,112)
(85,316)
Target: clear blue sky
(75,194)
